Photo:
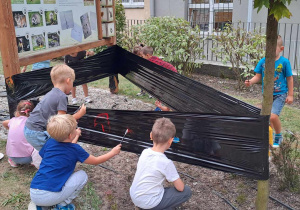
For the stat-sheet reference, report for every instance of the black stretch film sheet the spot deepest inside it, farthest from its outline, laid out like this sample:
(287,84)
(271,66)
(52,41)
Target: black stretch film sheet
(227,143)
(206,119)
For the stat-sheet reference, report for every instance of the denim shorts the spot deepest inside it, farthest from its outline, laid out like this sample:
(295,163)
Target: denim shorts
(278,103)
(36,138)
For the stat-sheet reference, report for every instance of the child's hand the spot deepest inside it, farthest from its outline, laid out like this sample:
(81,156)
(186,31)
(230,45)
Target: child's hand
(82,111)
(289,99)
(158,104)
(78,132)
(248,83)
(116,150)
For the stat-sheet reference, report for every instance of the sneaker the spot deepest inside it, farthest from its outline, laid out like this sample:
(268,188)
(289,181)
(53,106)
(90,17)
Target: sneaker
(33,206)
(74,101)
(277,141)
(43,208)
(70,206)
(140,94)
(12,163)
(87,100)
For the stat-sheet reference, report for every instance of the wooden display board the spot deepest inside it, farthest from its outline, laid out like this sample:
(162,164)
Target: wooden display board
(36,30)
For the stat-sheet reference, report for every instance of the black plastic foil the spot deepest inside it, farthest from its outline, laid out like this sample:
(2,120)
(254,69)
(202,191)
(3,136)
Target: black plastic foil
(214,130)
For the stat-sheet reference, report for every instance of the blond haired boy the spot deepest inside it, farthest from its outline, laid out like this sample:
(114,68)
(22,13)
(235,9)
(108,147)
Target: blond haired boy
(153,168)
(55,183)
(54,102)
(283,87)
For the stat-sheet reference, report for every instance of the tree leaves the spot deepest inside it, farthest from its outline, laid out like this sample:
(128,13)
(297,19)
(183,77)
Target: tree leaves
(260,3)
(279,10)
(278,7)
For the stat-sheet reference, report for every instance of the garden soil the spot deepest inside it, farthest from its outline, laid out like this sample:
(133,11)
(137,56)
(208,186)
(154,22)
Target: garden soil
(113,186)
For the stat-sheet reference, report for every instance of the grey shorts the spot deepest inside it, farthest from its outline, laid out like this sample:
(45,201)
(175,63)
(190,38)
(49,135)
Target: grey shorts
(173,198)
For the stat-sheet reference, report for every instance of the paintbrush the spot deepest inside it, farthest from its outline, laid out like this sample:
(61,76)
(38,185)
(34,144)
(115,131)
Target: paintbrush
(77,110)
(124,136)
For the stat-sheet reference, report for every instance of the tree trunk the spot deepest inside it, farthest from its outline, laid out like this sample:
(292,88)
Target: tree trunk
(272,26)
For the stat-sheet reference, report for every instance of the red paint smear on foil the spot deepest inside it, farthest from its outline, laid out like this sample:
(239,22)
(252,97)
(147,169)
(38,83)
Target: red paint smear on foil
(103,116)
(129,130)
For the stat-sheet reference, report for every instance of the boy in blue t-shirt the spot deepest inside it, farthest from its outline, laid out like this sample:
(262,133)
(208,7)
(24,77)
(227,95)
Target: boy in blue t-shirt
(283,87)
(55,183)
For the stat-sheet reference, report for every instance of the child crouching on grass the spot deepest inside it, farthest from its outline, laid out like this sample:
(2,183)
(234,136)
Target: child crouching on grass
(55,183)
(18,150)
(153,168)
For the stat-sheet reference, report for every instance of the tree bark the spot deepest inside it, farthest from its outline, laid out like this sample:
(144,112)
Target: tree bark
(272,27)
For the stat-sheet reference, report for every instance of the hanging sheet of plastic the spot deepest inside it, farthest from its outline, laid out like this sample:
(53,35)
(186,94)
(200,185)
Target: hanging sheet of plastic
(36,83)
(204,116)
(223,142)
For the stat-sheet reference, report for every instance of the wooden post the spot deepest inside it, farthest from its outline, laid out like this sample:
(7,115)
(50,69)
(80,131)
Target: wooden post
(8,43)
(114,41)
(99,19)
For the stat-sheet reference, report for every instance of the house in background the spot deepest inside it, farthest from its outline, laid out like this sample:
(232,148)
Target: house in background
(213,15)
(144,9)
(208,14)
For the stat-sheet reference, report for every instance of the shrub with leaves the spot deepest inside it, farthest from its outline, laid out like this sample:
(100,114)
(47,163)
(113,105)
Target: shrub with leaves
(171,38)
(241,48)
(287,162)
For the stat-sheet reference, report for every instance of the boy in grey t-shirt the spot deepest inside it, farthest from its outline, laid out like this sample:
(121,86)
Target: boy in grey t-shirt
(54,102)
(147,191)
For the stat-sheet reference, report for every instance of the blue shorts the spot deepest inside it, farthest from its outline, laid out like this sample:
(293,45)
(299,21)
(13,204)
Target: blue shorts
(36,138)
(278,103)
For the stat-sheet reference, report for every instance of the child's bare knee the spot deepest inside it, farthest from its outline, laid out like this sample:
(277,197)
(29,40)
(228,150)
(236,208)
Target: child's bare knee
(273,117)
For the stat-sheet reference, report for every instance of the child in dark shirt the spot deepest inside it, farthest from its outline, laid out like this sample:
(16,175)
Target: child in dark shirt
(73,58)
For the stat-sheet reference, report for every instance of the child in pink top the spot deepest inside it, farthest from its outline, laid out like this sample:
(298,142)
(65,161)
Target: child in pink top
(18,150)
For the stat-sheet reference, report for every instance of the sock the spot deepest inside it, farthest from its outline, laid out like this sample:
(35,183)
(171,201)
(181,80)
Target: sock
(277,137)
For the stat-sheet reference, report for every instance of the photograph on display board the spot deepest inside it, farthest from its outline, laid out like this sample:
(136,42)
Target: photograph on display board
(49,1)
(23,44)
(88,2)
(19,19)
(33,1)
(53,40)
(35,19)
(17,1)
(51,18)
(66,19)
(93,20)
(38,42)
(86,26)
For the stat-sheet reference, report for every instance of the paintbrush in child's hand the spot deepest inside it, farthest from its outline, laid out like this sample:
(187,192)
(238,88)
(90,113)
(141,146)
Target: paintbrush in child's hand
(77,110)
(124,136)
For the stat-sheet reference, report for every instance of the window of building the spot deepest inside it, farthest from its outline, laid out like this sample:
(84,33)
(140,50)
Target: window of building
(133,3)
(210,15)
